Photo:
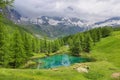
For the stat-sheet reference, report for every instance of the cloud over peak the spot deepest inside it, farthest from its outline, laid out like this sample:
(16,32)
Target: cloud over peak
(84,9)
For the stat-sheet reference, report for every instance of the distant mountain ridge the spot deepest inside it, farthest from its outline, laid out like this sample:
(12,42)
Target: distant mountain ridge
(49,26)
(57,26)
(114,21)
(12,14)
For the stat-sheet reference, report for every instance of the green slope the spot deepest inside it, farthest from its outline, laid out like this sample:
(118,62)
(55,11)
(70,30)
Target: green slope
(12,26)
(108,49)
(106,52)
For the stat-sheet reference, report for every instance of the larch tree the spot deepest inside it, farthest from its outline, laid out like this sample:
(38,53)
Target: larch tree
(4,46)
(18,50)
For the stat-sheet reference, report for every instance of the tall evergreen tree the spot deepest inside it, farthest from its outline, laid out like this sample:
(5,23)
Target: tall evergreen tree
(76,48)
(4,46)
(18,52)
(98,34)
(106,31)
(82,43)
(34,45)
(27,45)
(87,43)
(49,47)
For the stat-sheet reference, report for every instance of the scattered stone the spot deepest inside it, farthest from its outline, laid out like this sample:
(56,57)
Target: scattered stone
(81,65)
(116,75)
(75,67)
(81,69)
(55,69)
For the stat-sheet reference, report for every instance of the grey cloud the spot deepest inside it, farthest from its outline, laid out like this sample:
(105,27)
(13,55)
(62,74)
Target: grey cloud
(85,9)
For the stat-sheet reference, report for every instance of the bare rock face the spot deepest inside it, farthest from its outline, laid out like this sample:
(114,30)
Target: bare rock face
(81,69)
(116,75)
(54,69)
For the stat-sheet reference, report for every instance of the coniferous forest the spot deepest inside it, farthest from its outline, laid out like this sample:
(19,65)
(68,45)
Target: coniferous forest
(17,46)
(82,42)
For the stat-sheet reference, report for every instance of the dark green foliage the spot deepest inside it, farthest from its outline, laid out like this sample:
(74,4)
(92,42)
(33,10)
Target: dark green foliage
(49,48)
(87,47)
(75,47)
(106,31)
(95,35)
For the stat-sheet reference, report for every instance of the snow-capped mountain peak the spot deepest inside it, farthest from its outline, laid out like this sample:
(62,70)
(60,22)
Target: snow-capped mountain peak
(57,21)
(114,21)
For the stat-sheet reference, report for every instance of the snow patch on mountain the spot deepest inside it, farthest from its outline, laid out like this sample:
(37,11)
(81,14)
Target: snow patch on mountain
(115,21)
(53,22)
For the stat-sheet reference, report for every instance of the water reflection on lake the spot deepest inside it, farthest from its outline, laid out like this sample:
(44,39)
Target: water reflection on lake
(59,60)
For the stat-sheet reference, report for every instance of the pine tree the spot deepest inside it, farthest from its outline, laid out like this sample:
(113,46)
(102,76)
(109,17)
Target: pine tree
(27,45)
(94,36)
(106,31)
(18,52)
(76,48)
(41,46)
(4,46)
(87,43)
(98,34)
(49,47)
(37,45)
(70,42)
(34,45)
(57,45)
(82,43)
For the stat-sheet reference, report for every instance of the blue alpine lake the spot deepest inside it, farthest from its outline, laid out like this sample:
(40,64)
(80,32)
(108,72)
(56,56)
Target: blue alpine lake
(59,60)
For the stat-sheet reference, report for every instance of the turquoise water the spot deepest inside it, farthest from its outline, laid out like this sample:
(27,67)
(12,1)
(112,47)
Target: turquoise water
(59,60)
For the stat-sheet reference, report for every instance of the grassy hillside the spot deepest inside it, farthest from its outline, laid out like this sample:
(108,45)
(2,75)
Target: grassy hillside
(108,49)
(12,26)
(106,52)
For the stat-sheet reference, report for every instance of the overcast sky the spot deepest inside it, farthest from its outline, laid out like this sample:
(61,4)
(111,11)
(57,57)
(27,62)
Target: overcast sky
(84,9)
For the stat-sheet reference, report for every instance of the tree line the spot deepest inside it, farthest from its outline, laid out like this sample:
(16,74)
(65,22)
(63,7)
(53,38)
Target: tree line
(82,42)
(17,46)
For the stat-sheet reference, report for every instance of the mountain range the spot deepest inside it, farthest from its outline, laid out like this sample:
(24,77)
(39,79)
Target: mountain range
(56,26)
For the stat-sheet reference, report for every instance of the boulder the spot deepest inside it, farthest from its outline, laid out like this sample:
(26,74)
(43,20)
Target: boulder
(116,75)
(82,70)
